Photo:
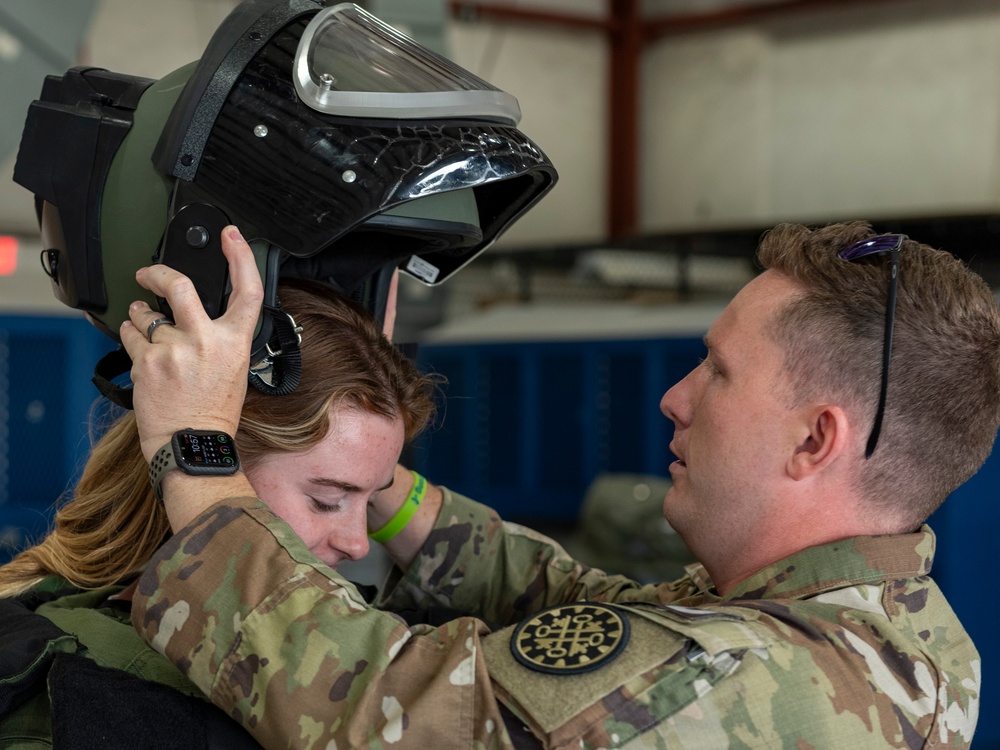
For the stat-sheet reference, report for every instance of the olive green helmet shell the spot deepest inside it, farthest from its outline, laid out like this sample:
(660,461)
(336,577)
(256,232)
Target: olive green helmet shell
(135,205)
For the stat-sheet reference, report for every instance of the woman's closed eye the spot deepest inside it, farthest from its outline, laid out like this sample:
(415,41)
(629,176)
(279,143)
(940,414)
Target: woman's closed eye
(321,506)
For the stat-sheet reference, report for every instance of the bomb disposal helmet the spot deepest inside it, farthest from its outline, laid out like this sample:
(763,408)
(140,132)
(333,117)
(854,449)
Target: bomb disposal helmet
(340,147)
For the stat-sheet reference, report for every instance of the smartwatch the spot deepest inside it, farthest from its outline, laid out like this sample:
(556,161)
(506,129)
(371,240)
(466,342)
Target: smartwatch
(197,452)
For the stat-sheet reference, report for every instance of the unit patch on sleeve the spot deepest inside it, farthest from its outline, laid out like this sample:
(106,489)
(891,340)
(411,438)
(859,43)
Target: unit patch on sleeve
(570,638)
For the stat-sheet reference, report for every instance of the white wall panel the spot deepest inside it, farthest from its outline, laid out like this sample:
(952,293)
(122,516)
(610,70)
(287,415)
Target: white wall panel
(877,111)
(705,127)
(560,80)
(894,116)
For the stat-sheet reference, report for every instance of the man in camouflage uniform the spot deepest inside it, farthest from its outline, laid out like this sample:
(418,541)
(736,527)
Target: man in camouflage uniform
(811,621)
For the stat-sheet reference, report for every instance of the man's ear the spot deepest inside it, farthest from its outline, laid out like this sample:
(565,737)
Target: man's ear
(828,428)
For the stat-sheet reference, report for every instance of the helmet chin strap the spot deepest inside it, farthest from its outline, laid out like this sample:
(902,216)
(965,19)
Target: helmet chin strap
(110,366)
(278,371)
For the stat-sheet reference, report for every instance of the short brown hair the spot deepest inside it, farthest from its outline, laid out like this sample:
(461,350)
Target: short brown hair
(943,407)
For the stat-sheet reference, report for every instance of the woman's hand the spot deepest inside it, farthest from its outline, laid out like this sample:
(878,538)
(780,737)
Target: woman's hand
(192,374)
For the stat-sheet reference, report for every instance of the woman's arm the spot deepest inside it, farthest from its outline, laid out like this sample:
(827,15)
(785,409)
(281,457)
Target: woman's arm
(407,543)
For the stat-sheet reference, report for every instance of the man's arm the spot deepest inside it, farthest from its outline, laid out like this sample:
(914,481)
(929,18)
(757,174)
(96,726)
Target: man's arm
(290,649)
(467,559)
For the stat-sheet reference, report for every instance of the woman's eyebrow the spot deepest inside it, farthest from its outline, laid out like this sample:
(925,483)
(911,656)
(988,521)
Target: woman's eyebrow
(345,486)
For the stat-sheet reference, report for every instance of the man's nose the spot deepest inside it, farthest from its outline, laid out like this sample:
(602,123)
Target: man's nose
(676,402)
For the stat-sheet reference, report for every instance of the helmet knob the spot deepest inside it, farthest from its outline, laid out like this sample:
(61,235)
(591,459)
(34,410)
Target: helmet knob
(197,236)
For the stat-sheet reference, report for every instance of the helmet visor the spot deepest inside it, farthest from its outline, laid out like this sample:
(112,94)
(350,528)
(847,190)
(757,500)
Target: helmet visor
(351,64)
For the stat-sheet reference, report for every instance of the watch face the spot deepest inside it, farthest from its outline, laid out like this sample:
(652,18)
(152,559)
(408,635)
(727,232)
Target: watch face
(211,452)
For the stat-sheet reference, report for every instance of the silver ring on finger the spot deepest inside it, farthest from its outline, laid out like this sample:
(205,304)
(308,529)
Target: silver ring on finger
(154,324)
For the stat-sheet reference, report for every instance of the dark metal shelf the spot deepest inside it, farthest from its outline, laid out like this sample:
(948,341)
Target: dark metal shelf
(974,238)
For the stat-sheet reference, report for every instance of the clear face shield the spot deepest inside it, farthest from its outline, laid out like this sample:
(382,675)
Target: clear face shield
(351,64)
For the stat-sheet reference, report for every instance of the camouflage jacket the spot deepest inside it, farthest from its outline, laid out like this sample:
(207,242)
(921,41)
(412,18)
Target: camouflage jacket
(845,645)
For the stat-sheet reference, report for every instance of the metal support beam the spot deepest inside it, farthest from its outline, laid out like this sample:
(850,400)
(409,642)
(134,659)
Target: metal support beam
(623,128)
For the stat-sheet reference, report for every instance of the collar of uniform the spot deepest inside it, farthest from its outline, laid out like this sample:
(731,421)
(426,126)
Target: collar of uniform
(846,562)
(699,578)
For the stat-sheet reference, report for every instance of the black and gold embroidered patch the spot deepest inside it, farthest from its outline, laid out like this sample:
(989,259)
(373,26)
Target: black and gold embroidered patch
(570,638)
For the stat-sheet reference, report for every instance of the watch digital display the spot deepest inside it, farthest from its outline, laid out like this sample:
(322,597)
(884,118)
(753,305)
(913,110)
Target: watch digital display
(200,452)
(208,450)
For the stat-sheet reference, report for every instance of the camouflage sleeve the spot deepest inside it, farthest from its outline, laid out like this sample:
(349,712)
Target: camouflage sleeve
(475,563)
(290,649)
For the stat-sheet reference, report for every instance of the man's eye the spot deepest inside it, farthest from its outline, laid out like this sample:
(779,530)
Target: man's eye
(709,366)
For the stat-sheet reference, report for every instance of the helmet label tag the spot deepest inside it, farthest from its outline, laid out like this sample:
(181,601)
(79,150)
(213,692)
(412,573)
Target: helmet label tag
(422,269)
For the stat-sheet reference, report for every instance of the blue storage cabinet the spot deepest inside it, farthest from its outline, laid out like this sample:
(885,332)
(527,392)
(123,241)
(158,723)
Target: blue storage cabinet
(524,422)
(46,398)
(527,426)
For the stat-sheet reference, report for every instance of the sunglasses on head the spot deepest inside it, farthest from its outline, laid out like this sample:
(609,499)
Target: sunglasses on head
(883,244)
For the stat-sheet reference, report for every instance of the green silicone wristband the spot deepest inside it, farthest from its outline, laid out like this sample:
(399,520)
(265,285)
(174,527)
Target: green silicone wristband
(398,522)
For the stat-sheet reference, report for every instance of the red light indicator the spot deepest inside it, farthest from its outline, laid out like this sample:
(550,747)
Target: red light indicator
(8,255)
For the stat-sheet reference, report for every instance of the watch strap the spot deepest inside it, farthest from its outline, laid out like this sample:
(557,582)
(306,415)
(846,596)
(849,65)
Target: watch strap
(161,463)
